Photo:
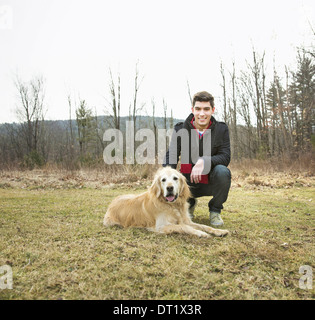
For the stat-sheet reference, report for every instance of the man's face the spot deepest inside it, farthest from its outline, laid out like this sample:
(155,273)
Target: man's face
(202,112)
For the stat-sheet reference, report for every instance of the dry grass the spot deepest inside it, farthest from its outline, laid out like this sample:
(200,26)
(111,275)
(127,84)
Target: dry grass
(247,174)
(51,233)
(53,178)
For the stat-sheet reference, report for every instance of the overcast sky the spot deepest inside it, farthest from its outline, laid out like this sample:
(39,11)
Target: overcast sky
(72,43)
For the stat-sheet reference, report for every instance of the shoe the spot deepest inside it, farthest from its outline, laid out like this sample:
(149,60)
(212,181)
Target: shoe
(215,219)
(193,204)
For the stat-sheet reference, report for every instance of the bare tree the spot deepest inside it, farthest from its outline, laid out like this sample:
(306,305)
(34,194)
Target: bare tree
(135,109)
(233,112)
(224,93)
(286,145)
(189,93)
(165,113)
(287,108)
(171,119)
(311,49)
(71,141)
(154,124)
(31,112)
(115,99)
(255,85)
(246,97)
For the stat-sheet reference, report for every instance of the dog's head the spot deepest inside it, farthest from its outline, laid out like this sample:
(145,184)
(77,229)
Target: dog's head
(170,185)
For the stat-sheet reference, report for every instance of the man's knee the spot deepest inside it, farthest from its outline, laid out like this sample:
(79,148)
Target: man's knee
(221,173)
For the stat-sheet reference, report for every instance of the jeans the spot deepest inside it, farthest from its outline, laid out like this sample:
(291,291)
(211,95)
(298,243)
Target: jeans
(218,187)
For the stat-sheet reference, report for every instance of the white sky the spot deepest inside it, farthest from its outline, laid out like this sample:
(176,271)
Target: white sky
(72,43)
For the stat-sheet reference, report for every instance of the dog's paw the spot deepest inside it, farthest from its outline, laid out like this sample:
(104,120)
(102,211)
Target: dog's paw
(221,233)
(202,234)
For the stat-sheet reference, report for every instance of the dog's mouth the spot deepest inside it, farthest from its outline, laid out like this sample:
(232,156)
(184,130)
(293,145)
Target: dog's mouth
(171,197)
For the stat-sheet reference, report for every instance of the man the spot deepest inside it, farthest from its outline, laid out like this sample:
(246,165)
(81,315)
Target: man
(204,146)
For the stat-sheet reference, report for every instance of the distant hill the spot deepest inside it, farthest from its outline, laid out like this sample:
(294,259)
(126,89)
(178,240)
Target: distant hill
(105,122)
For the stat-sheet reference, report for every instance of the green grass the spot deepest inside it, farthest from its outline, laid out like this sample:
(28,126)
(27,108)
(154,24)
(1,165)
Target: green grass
(58,248)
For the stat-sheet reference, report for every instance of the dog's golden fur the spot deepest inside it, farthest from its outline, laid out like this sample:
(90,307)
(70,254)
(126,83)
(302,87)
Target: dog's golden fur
(163,208)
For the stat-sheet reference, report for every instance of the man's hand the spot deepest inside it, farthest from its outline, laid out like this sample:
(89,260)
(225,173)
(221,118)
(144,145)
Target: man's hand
(196,171)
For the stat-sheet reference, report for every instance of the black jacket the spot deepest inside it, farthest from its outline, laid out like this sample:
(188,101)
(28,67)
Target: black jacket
(216,138)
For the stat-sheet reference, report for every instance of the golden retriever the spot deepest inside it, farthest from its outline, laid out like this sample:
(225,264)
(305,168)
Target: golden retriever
(163,208)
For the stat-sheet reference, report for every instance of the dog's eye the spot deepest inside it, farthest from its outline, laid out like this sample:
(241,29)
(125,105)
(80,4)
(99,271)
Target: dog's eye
(163,180)
(175,178)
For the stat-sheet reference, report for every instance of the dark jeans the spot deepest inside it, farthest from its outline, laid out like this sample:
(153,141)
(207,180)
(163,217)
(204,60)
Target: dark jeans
(218,187)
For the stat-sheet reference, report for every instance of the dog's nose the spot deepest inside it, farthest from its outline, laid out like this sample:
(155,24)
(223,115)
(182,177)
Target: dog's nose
(170,189)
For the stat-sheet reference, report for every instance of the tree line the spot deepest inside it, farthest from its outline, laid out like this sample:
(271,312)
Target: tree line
(270,119)
(266,119)
(73,143)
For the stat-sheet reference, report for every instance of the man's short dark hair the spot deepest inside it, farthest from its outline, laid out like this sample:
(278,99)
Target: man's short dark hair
(203,96)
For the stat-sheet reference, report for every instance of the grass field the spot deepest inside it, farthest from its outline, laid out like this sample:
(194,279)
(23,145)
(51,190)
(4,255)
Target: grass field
(54,240)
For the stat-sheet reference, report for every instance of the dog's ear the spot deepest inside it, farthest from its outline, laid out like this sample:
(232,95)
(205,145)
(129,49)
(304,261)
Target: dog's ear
(156,187)
(184,189)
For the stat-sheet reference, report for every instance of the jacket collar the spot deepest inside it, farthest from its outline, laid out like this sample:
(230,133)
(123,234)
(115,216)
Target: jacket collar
(188,122)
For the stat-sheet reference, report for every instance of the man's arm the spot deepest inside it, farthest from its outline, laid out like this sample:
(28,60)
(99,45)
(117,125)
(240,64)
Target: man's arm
(223,157)
(196,171)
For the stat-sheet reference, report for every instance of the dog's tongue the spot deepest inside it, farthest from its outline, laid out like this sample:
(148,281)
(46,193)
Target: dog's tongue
(170,198)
